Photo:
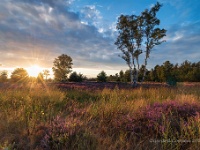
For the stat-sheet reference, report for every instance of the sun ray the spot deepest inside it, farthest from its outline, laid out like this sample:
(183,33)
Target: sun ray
(34,70)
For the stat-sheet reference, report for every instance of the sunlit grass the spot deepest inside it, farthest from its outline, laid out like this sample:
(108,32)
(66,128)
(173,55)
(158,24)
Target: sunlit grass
(38,116)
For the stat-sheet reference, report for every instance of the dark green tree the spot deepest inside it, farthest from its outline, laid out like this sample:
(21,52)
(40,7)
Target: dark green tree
(102,77)
(74,77)
(19,75)
(127,76)
(121,76)
(62,67)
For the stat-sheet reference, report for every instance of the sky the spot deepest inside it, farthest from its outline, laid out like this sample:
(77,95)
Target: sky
(35,32)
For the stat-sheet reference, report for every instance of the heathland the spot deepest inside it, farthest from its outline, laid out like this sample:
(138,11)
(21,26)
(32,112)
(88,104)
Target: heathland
(99,116)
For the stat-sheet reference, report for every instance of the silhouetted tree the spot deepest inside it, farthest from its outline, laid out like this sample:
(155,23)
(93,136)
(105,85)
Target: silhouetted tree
(46,73)
(102,77)
(19,75)
(40,77)
(62,67)
(74,77)
(4,76)
(121,76)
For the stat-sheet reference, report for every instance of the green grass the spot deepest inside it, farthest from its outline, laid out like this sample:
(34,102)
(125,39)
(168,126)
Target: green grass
(40,117)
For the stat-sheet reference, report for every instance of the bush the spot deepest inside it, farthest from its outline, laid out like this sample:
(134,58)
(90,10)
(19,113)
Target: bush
(74,77)
(171,81)
(102,77)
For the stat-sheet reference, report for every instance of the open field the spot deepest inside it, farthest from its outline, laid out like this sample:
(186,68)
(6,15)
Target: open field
(99,116)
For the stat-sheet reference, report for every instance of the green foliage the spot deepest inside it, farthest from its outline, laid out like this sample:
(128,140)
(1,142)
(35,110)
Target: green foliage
(133,30)
(170,73)
(74,77)
(19,75)
(62,67)
(167,72)
(102,77)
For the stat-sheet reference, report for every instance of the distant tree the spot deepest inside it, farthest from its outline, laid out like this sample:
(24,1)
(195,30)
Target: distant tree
(127,76)
(121,76)
(141,72)
(4,76)
(74,77)
(102,77)
(168,72)
(196,71)
(62,67)
(19,75)
(114,78)
(46,73)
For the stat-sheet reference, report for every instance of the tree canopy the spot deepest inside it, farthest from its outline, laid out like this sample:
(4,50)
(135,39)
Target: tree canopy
(62,67)
(19,75)
(74,77)
(3,76)
(133,32)
(102,77)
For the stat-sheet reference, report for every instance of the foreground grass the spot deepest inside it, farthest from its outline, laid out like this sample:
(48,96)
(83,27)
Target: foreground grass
(43,117)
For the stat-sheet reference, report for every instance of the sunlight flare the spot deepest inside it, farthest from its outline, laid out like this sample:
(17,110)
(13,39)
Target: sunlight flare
(34,70)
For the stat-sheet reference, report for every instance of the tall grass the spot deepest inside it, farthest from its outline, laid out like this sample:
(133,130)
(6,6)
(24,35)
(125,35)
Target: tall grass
(43,117)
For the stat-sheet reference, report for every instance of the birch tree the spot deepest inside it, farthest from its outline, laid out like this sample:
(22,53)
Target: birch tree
(152,34)
(129,42)
(136,32)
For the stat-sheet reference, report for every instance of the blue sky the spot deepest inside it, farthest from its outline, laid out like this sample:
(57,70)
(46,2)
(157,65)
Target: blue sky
(37,31)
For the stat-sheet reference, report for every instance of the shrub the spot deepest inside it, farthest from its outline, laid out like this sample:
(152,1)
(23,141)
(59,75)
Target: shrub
(74,77)
(102,77)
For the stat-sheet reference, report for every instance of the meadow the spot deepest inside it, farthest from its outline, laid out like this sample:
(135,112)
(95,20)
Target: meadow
(112,116)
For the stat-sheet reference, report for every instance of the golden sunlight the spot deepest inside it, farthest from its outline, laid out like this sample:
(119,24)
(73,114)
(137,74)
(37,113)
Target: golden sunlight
(34,70)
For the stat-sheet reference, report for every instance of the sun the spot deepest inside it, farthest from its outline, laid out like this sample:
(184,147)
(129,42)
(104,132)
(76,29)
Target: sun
(34,70)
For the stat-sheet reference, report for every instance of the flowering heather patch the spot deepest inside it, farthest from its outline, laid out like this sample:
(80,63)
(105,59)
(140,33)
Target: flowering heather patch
(90,117)
(58,134)
(92,85)
(159,118)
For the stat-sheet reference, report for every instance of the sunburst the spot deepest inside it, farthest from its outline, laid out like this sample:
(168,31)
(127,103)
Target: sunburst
(34,70)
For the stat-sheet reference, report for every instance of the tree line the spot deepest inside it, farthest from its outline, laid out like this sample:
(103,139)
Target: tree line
(167,72)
